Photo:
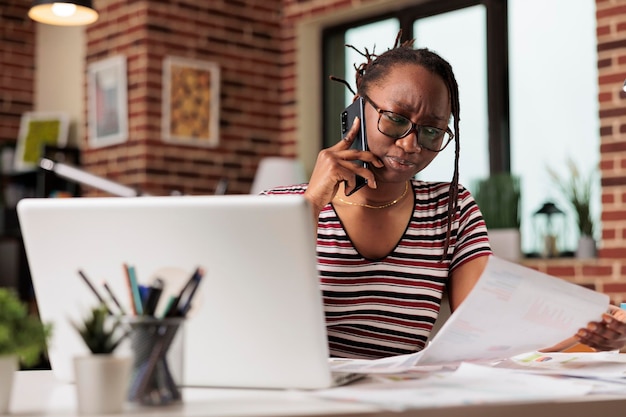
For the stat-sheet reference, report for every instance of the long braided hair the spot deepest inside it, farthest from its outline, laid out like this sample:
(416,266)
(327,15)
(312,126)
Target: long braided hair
(376,68)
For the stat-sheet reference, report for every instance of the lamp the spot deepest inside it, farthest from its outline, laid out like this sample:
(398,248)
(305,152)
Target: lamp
(274,171)
(549,230)
(63,12)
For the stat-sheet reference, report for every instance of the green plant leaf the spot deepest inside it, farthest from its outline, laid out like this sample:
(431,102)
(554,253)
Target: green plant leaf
(101,332)
(498,198)
(21,333)
(577,191)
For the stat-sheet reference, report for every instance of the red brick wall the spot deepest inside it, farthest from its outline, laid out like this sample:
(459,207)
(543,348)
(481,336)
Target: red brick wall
(253,43)
(243,38)
(17,63)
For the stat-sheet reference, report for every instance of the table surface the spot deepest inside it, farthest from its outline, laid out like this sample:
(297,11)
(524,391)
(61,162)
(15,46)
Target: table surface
(39,393)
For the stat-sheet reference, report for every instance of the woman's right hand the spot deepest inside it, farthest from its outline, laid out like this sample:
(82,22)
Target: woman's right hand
(335,165)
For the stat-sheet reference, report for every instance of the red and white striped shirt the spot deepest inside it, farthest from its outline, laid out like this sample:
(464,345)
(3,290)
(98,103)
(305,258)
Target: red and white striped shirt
(383,307)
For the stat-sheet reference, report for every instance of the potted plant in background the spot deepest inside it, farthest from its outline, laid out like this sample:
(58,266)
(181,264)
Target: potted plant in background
(102,377)
(23,339)
(498,198)
(577,191)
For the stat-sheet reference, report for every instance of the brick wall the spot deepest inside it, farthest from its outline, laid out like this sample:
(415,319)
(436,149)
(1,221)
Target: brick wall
(254,43)
(17,62)
(243,38)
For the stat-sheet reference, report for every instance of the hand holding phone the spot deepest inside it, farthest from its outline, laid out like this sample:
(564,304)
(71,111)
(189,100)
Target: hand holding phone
(356,109)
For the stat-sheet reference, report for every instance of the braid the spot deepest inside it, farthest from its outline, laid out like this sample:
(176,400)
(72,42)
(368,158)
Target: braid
(375,70)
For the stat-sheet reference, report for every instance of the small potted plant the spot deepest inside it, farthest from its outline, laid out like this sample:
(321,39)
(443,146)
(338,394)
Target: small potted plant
(499,198)
(23,339)
(101,332)
(577,191)
(102,377)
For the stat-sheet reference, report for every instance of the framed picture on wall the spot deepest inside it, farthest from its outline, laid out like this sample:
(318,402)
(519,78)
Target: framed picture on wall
(191,93)
(38,129)
(107,102)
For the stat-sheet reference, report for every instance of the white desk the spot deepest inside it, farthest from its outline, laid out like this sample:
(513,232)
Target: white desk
(38,393)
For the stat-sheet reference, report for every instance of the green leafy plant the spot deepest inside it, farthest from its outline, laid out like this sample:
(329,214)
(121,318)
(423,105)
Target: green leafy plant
(498,198)
(21,333)
(101,332)
(577,190)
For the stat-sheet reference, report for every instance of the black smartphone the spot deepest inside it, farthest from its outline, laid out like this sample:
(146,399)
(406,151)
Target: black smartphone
(357,108)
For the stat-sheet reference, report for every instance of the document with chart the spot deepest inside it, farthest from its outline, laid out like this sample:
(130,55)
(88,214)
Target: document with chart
(511,310)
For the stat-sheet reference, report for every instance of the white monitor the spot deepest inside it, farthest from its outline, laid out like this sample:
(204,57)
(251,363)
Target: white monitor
(258,320)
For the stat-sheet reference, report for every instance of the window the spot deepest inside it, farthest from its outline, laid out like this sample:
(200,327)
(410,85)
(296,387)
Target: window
(554,104)
(549,62)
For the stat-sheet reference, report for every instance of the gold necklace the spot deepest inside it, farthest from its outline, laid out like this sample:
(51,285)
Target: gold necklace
(370,206)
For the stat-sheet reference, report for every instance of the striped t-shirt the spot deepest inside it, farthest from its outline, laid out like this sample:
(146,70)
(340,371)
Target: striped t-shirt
(383,307)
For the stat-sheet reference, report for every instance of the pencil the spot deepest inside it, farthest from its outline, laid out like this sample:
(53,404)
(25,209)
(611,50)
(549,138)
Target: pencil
(114,298)
(93,289)
(130,290)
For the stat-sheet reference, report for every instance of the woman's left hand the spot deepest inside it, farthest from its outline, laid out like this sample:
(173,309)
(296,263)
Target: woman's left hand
(608,334)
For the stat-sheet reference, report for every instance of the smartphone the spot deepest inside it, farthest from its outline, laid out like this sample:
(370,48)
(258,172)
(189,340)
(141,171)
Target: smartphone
(357,108)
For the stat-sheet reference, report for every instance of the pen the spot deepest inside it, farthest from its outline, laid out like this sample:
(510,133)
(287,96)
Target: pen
(189,291)
(113,297)
(93,289)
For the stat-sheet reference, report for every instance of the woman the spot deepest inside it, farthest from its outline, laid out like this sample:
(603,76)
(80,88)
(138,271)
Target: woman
(387,253)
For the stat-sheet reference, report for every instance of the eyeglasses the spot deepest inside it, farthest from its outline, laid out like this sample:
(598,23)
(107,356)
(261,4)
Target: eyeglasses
(397,126)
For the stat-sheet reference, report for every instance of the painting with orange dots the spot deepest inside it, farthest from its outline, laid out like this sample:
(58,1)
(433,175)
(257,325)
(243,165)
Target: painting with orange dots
(191,101)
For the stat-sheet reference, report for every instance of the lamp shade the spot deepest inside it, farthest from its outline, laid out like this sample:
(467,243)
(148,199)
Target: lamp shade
(275,171)
(63,12)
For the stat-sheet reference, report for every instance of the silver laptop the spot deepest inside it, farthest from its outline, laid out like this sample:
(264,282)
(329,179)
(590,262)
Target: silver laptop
(257,319)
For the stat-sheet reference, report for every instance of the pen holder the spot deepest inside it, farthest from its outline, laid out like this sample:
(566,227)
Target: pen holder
(157,363)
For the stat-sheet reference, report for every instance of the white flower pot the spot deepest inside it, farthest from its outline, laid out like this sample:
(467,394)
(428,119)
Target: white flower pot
(101,383)
(506,243)
(586,247)
(9,364)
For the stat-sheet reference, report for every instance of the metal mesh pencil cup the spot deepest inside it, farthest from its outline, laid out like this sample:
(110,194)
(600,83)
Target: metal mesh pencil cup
(157,363)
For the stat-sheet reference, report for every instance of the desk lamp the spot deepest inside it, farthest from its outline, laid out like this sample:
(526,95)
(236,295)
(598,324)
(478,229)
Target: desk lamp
(83,177)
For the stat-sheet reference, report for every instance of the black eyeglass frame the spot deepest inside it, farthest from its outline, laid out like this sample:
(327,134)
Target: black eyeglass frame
(414,127)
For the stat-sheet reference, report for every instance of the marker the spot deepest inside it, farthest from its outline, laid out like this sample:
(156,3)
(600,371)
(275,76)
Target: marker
(134,286)
(153,296)
(167,311)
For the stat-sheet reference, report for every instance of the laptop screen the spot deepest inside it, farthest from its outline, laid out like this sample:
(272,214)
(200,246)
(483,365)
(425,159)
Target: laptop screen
(257,319)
